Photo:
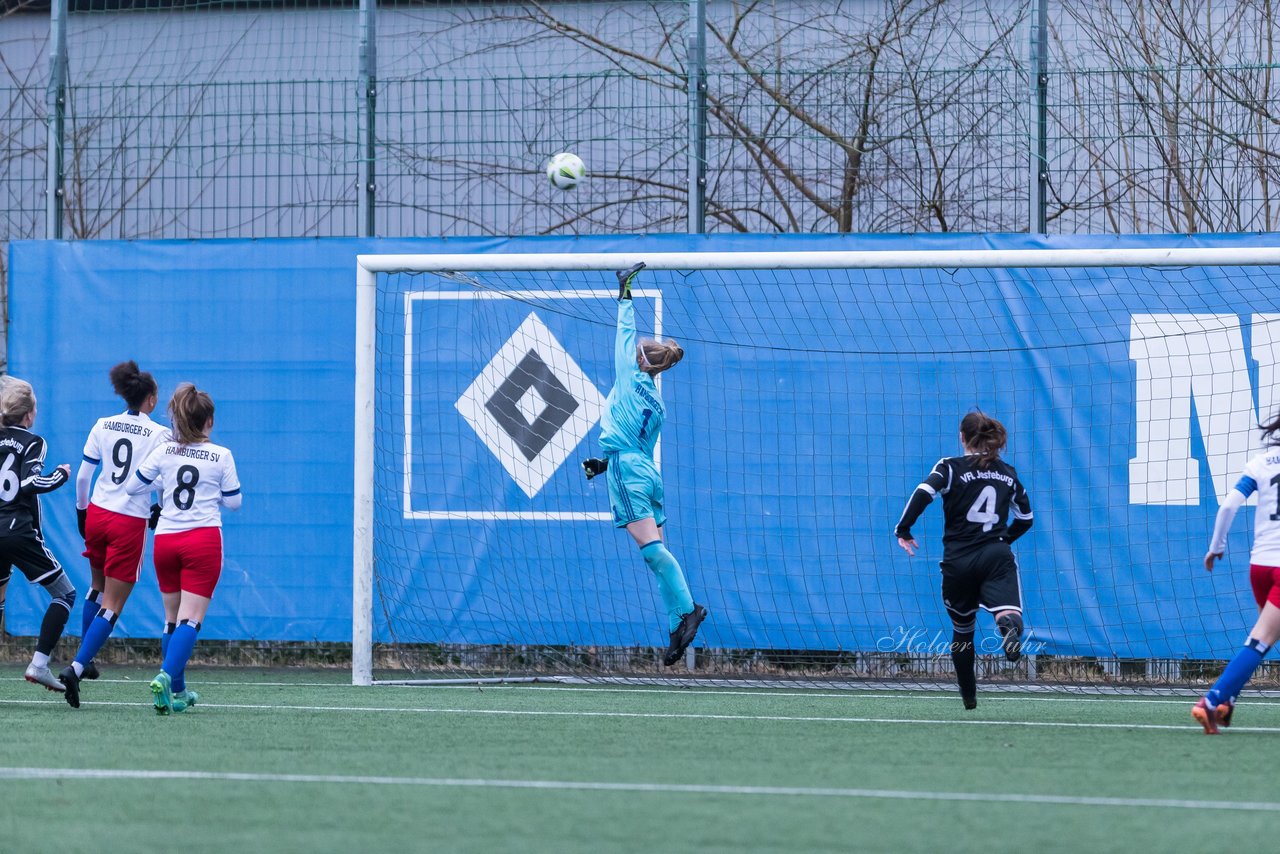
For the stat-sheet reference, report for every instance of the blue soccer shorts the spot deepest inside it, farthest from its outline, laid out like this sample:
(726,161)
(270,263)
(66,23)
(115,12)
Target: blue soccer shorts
(635,489)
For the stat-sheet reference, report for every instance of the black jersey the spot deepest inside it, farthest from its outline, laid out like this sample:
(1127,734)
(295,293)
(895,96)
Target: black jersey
(22,479)
(975,501)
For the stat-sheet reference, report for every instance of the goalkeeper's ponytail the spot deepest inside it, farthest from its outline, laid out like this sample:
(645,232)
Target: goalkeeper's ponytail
(658,356)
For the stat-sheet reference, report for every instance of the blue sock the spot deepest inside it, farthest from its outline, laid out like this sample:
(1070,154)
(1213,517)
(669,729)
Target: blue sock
(1238,672)
(165,637)
(671,582)
(89,613)
(95,636)
(175,658)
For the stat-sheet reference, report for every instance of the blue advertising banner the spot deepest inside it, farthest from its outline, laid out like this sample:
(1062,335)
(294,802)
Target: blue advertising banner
(807,409)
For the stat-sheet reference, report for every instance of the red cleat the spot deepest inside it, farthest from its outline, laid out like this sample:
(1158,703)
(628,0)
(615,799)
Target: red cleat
(1225,710)
(1208,717)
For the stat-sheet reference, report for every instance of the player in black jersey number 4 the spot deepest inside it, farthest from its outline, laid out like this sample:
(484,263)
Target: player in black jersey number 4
(978,567)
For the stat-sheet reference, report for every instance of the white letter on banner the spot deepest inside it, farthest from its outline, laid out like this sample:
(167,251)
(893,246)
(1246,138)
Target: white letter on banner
(1180,357)
(1266,352)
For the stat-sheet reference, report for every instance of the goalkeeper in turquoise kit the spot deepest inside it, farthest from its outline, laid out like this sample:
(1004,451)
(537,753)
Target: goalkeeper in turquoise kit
(628,433)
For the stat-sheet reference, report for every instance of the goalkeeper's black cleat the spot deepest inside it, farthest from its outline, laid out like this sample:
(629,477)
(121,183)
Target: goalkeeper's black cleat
(970,703)
(90,671)
(684,634)
(71,682)
(1010,626)
(625,278)
(594,466)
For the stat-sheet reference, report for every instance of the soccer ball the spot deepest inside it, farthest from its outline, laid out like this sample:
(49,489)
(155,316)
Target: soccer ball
(565,170)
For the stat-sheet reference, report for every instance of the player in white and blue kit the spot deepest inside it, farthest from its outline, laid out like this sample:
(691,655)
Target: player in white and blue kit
(629,431)
(1261,475)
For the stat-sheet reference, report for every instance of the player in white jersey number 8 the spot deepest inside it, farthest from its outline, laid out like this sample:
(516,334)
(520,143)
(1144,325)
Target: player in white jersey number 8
(1262,475)
(197,479)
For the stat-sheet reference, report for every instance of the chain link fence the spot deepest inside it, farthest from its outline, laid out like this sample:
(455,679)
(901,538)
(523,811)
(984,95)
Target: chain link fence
(249,118)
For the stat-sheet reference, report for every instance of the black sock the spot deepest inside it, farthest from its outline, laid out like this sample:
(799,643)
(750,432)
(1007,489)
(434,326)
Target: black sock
(55,620)
(962,656)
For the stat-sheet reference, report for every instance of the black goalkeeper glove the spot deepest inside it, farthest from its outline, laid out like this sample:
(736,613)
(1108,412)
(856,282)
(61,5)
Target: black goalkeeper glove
(154,519)
(594,466)
(625,278)
(81,517)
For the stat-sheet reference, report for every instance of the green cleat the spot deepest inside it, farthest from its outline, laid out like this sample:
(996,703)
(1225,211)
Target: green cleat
(162,693)
(183,700)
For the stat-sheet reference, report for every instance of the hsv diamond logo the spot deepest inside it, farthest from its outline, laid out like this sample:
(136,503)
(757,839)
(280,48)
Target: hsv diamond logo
(531,405)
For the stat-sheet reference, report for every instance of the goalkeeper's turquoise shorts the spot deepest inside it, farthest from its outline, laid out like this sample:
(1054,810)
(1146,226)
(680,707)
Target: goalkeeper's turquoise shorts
(635,489)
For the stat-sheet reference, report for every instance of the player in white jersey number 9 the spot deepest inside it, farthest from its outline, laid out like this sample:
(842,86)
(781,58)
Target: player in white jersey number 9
(1261,475)
(113,523)
(196,479)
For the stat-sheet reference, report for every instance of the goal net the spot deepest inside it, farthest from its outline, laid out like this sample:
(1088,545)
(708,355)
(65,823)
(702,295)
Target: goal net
(816,392)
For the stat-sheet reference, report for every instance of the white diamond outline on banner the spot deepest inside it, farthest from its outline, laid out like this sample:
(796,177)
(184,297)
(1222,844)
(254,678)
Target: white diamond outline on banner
(410,297)
(532,335)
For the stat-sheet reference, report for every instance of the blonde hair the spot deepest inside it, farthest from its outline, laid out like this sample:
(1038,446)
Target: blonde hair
(16,400)
(658,356)
(190,410)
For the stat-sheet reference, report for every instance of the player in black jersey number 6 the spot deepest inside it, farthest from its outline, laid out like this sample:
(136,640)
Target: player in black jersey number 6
(22,480)
(978,567)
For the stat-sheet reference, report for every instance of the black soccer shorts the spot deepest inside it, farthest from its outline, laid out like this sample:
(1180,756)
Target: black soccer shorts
(983,578)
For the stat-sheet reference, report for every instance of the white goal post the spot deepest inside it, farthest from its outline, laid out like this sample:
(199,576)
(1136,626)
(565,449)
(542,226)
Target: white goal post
(368,266)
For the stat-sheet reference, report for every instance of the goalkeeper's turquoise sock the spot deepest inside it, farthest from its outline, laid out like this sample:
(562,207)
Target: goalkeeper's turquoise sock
(671,583)
(1238,672)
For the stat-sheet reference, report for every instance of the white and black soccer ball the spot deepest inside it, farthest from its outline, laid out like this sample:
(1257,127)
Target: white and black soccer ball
(565,170)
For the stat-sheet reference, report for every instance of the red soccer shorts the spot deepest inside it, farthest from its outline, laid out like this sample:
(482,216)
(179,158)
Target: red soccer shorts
(113,543)
(1265,581)
(190,561)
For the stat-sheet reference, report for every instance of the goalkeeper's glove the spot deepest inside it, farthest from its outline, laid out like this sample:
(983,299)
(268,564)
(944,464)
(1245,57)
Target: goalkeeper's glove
(593,467)
(625,278)
(82,514)
(154,519)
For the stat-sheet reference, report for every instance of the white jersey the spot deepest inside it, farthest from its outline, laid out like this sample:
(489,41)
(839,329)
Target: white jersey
(1262,475)
(119,443)
(194,482)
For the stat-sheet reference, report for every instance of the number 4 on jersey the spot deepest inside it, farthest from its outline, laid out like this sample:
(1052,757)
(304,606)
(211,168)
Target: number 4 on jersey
(983,511)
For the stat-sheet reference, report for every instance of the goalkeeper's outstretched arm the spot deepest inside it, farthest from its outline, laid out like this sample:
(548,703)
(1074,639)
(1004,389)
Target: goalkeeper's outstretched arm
(624,352)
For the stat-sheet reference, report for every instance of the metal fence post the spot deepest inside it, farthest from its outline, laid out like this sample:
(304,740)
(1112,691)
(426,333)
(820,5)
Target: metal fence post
(367,199)
(696,67)
(1040,119)
(56,101)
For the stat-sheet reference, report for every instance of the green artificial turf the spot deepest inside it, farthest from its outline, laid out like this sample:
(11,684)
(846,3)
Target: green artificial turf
(870,770)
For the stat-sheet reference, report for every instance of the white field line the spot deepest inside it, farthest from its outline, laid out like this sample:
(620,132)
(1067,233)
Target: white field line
(648,788)
(695,716)
(766,693)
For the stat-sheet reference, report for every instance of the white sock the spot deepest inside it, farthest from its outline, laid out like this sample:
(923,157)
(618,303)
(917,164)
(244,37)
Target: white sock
(78,668)
(39,659)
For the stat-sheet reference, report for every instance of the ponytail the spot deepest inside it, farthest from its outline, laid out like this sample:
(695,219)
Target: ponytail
(1271,431)
(659,356)
(983,436)
(134,385)
(190,411)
